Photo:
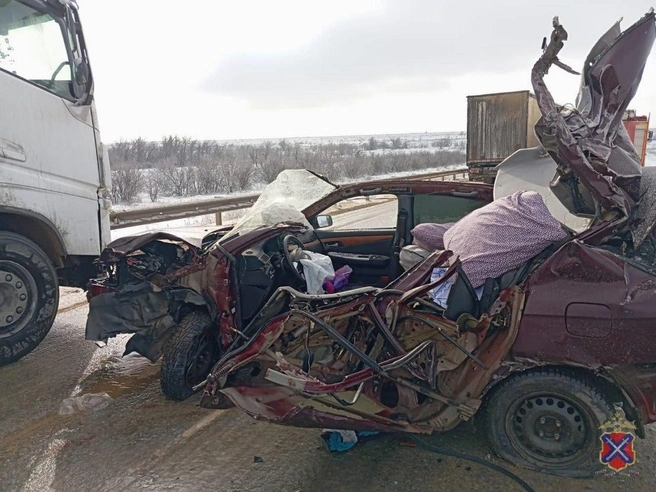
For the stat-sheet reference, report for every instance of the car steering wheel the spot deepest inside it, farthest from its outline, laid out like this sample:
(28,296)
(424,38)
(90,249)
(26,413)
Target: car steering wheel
(293,249)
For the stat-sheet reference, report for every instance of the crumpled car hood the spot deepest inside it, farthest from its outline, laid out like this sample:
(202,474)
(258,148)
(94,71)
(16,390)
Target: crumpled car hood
(128,244)
(599,172)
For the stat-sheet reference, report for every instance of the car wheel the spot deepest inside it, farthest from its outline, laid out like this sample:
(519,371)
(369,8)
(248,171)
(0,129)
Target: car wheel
(29,296)
(189,356)
(548,420)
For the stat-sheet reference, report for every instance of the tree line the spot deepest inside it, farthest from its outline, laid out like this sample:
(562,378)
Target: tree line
(181,166)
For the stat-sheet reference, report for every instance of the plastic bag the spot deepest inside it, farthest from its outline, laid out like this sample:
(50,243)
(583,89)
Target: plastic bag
(338,441)
(338,281)
(90,401)
(317,268)
(440,294)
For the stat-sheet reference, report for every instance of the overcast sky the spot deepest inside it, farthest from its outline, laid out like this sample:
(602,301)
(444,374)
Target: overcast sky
(215,69)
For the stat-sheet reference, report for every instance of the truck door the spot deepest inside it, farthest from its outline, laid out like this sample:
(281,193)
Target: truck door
(48,152)
(50,171)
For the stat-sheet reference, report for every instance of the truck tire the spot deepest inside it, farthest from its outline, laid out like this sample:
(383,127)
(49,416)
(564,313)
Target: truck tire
(189,356)
(29,296)
(549,420)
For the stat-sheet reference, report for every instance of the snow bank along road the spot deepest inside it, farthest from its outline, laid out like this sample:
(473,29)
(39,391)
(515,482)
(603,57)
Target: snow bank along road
(141,441)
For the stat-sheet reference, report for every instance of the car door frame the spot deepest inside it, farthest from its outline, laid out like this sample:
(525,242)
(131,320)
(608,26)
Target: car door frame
(405,189)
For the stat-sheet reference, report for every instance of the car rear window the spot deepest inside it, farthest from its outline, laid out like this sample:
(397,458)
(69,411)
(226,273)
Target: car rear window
(442,209)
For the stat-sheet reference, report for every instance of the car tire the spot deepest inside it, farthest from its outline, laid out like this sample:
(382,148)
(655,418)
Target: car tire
(548,420)
(29,296)
(189,356)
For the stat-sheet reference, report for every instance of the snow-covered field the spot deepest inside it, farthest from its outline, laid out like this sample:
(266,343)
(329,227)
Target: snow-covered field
(650,160)
(416,142)
(145,202)
(411,143)
(425,141)
(208,221)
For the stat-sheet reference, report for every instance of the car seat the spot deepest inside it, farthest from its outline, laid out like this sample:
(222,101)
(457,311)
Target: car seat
(462,296)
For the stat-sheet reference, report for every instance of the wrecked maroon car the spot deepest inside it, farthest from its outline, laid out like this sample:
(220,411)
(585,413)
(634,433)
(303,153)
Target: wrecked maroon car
(552,348)
(188,302)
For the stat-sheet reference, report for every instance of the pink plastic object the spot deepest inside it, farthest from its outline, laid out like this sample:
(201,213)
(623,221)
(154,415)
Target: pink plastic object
(338,281)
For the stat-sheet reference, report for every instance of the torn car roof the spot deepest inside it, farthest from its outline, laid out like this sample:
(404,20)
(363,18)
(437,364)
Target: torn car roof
(598,169)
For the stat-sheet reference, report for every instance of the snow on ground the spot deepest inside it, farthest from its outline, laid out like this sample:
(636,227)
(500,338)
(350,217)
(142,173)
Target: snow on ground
(412,142)
(204,223)
(650,159)
(207,222)
(415,140)
(146,203)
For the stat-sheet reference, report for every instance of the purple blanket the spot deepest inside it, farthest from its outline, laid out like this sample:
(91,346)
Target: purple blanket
(502,235)
(430,236)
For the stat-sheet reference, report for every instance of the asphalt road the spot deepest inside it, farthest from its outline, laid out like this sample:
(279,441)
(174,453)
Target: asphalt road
(375,217)
(141,441)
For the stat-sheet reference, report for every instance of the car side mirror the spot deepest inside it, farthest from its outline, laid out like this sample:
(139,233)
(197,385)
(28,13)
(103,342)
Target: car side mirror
(324,221)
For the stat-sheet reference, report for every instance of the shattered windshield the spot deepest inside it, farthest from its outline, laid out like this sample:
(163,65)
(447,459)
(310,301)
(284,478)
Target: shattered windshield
(283,200)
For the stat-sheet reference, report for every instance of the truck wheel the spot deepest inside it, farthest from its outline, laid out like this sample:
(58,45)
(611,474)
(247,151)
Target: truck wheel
(189,356)
(548,420)
(29,296)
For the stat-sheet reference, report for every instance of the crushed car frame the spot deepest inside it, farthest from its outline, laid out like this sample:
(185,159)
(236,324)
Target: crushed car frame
(552,348)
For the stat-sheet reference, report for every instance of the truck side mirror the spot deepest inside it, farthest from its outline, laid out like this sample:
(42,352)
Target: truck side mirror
(81,86)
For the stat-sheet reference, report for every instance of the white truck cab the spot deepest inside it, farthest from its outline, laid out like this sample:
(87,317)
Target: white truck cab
(54,172)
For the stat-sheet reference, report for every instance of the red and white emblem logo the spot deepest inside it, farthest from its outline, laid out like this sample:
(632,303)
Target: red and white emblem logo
(617,441)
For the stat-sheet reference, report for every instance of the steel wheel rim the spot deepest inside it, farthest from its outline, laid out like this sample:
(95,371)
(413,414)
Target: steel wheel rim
(18,295)
(549,428)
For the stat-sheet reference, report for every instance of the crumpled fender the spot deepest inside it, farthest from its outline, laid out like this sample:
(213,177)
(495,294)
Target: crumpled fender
(142,309)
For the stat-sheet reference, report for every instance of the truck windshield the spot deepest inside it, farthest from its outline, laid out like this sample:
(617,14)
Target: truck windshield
(32,47)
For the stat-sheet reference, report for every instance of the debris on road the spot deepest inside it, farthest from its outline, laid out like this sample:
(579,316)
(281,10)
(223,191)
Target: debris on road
(339,441)
(90,401)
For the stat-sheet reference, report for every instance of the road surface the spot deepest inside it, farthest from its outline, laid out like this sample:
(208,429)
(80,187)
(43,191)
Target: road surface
(375,217)
(141,441)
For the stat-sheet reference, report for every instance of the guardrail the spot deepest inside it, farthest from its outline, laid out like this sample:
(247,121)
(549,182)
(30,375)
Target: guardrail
(164,213)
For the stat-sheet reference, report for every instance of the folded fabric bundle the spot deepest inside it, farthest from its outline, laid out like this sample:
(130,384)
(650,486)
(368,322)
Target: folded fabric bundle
(502,235)
(430,236)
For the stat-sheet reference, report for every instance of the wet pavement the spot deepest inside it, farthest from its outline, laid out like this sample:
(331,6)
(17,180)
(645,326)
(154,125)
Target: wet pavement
(141,441)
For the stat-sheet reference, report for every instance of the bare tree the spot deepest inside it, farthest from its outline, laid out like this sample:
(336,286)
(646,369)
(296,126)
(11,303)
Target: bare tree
(182,166)
(208,179)
(176,180)
(127,182)
(154,185)
(355,166)
(238,174)
(268,170)
(397,143)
